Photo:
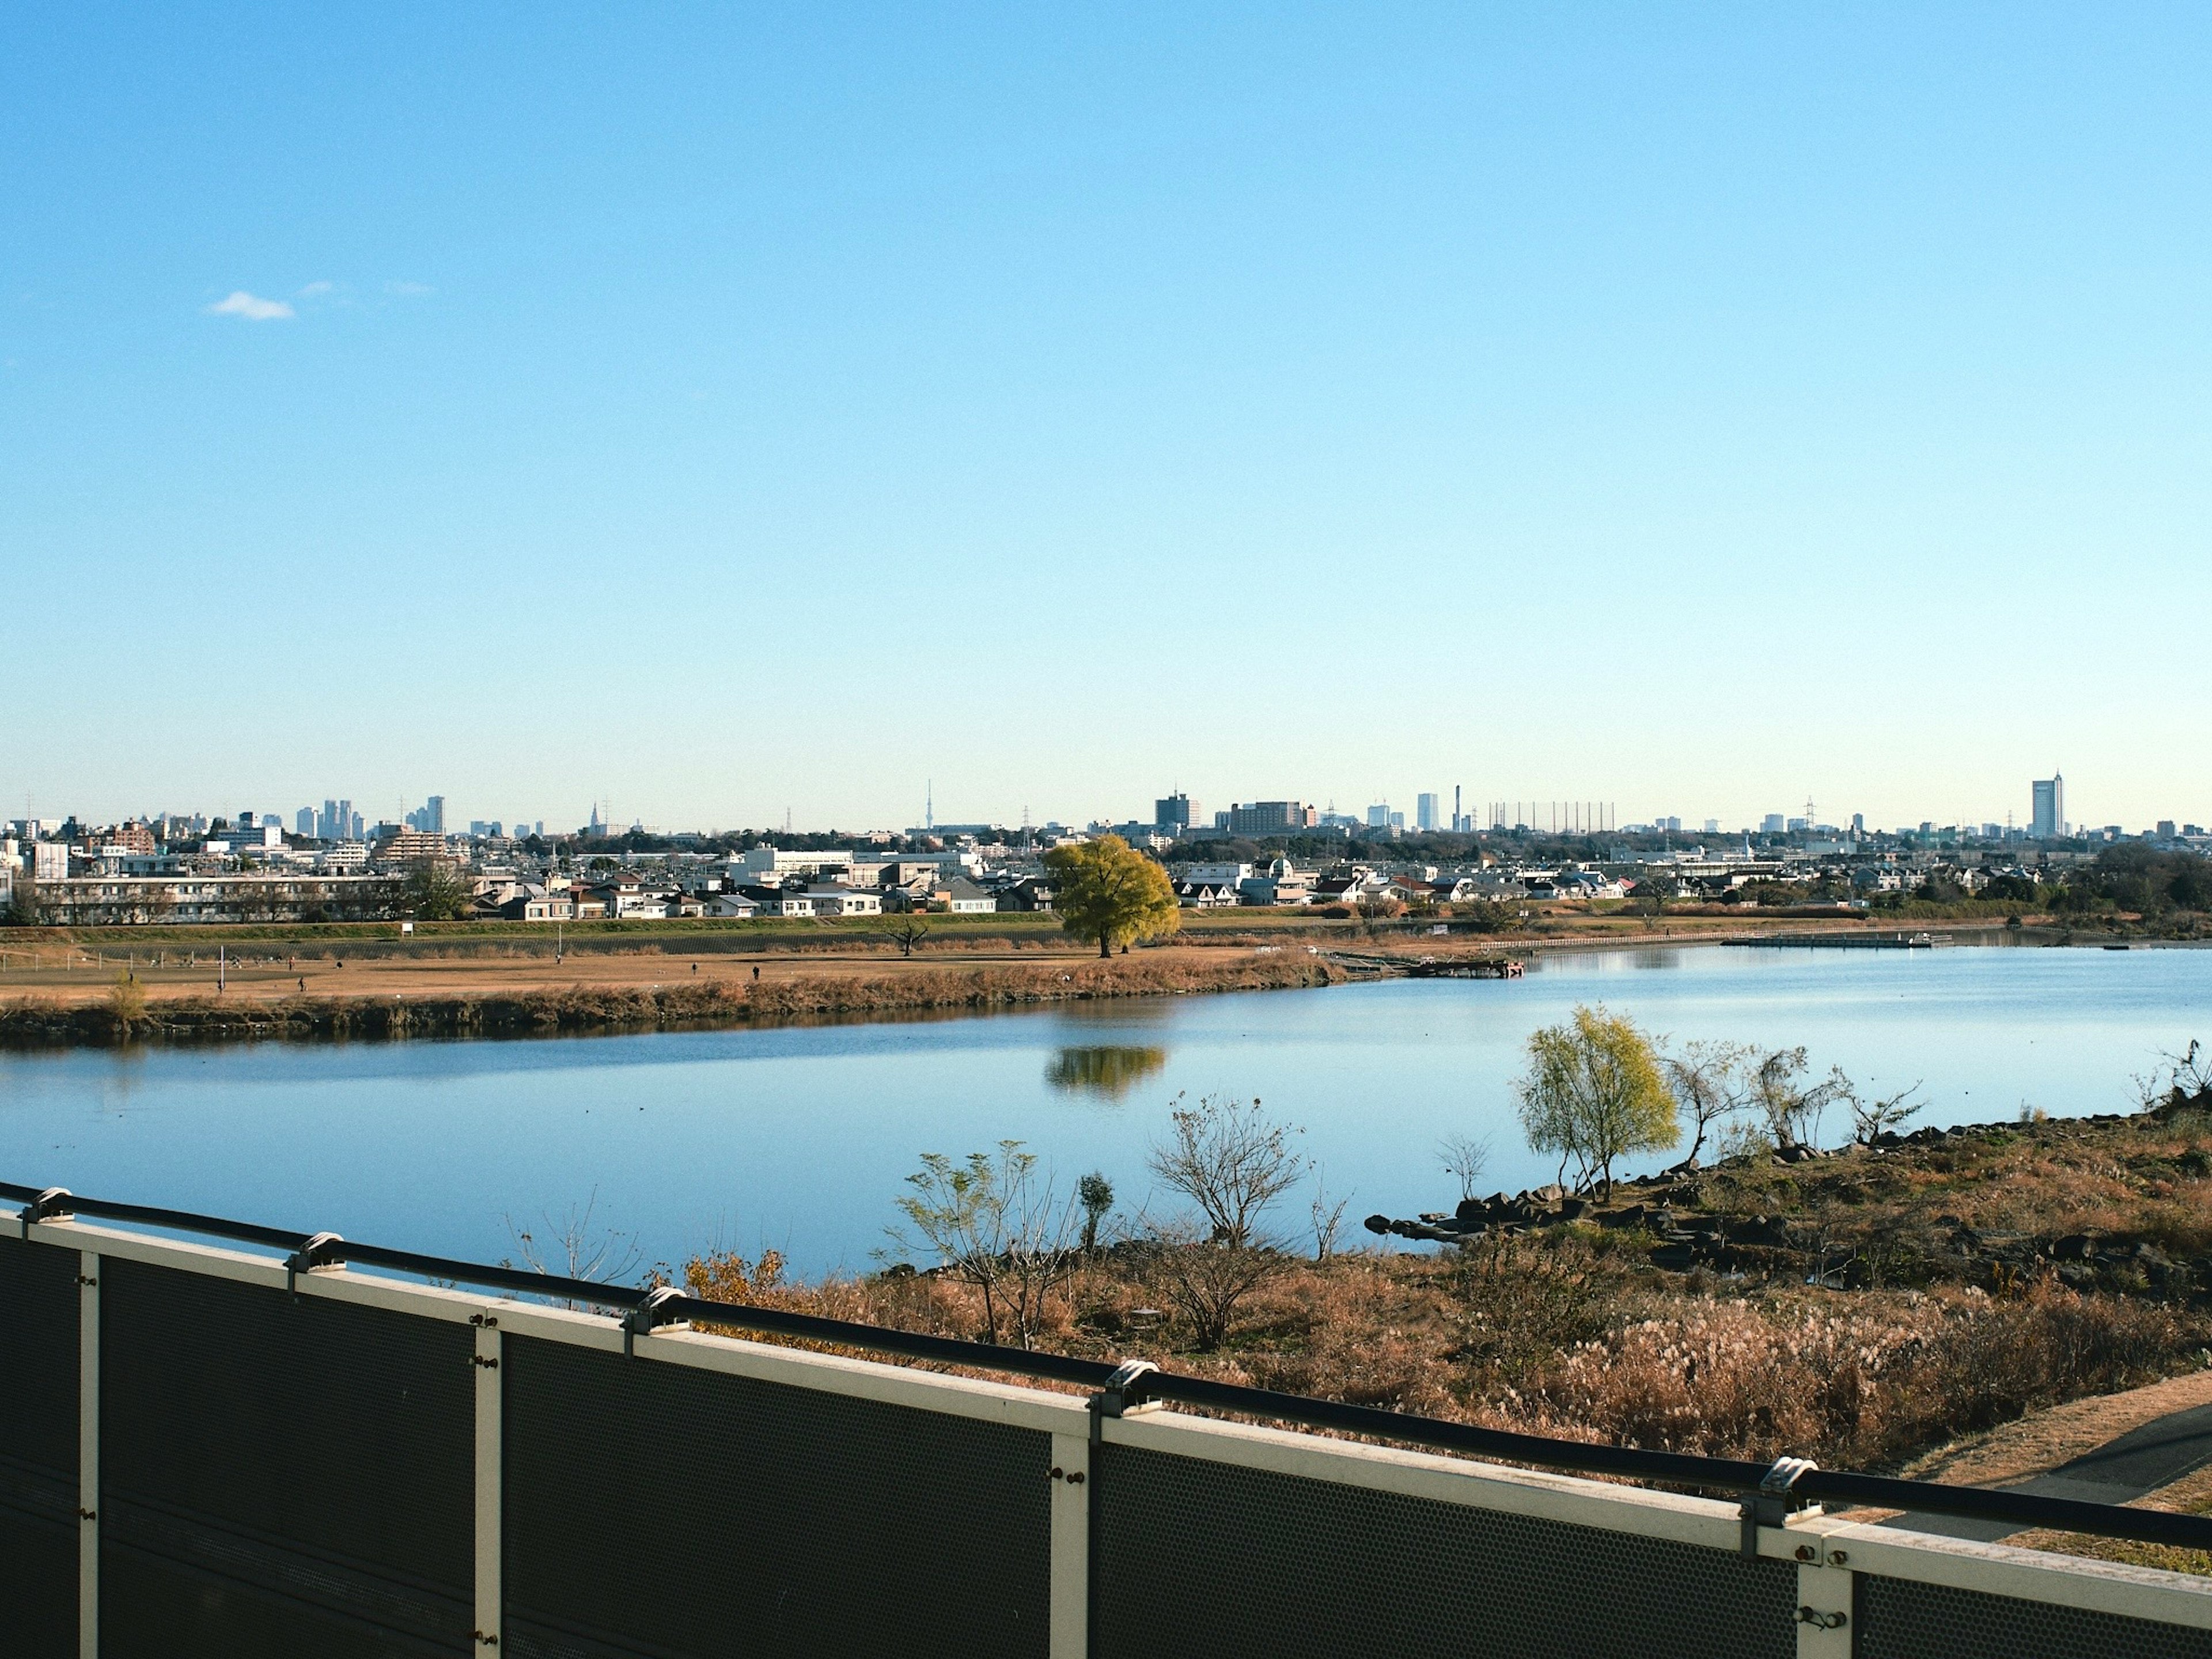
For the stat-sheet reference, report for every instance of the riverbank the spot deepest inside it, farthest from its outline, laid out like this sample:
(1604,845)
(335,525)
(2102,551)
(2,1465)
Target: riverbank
(235,985)
(694,1002)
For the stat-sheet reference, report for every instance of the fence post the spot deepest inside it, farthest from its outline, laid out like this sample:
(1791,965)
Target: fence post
(88,1457)
(489,1525)
(1070,1635)
(1826,1607)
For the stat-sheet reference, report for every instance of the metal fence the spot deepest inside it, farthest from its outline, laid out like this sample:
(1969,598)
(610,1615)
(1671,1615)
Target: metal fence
(214,1450)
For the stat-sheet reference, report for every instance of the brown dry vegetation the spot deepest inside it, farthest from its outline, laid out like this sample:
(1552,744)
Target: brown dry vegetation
(704,1000)
(1573,1331)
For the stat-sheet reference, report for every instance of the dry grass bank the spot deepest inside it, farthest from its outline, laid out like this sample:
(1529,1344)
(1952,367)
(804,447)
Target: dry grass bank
(1575,1330)
(692,1001)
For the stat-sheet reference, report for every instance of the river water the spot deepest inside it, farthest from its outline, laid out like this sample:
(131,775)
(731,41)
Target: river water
(800,1138)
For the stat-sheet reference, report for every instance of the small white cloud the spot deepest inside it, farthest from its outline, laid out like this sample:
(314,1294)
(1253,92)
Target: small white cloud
(314,288)
(411,291)
(250,306)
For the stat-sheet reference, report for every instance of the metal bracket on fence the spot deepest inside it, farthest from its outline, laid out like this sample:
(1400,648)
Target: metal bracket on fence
(1124,1393)
(54,1201)
(642,1320)
(1771,1504)
(318,1252)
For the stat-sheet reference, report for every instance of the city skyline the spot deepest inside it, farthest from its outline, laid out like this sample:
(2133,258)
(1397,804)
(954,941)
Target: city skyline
(731,414)
(2047,818)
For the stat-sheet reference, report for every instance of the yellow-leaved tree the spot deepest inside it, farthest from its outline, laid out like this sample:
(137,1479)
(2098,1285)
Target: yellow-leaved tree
(1593,1093)
(1107,891)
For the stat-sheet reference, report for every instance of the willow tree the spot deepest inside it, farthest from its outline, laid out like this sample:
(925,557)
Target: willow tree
(1107,891)
(1593,1093)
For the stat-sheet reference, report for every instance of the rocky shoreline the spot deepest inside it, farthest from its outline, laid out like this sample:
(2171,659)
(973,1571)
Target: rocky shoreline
(1690,1219)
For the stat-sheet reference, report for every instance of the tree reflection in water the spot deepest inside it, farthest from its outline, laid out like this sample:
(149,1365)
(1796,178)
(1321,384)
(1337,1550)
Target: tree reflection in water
(1110,1069)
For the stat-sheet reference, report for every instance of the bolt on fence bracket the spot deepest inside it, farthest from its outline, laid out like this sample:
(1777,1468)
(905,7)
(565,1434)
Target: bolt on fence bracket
(642,1320)
(323,1251)
(54,1201)
(1771,1504)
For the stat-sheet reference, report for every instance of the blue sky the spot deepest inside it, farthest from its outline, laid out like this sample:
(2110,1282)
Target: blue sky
(726,409)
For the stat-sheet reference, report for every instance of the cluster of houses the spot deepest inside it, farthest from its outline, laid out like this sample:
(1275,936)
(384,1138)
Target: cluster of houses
(1280,883)
(764,883)
(125,875)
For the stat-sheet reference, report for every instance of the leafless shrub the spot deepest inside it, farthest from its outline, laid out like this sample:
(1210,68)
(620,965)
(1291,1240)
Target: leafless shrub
(1465,1158)
(1204,1275)
(1230,1159)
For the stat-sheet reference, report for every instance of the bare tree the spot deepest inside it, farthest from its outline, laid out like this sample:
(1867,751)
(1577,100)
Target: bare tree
(907,932)
(1708,1082)
(568,1246)
(1465,1158)
(1792,1110)
(1871,1119)
(1230,1159)
(1328,1219)
(993,1223)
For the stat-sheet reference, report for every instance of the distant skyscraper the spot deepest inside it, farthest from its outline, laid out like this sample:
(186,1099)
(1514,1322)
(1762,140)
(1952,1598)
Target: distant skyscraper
(1173,814)
(1424,813)
(1378,816)
(304,821)
(2048,796)
(1771,824)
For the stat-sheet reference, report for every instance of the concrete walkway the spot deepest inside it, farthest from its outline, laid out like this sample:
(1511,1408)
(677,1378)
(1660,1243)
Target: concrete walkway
(2140,1461)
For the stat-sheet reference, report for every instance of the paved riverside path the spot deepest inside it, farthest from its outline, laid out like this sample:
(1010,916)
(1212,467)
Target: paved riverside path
(2140,1461)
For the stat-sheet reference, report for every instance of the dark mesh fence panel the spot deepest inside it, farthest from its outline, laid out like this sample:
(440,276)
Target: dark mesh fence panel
(1899,1619)
(1212,1561)
(659,1509)
(39,1324)
(280,1474)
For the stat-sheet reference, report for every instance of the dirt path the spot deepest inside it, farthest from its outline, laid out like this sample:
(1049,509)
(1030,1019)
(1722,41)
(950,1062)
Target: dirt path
(2149,1445)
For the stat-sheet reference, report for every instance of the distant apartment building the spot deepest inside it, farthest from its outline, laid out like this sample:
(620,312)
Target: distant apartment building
(769,866)
(412,846)
(1424,813)
(1173,815)
(1267,817)
(1772,824)
(137,900)
(2047,802)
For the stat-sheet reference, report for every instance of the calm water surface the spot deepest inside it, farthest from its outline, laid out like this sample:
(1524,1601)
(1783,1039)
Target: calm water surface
(800,1138)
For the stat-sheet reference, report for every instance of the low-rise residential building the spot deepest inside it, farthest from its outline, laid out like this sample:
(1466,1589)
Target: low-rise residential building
(963,897)
(786,901)
(1205,895)
(1028,894)
(837,901)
